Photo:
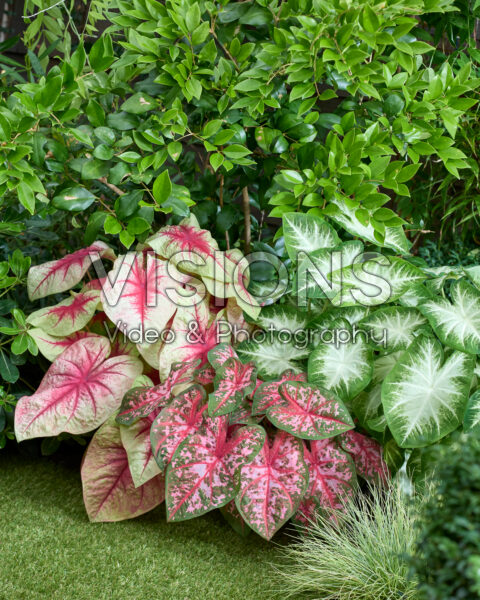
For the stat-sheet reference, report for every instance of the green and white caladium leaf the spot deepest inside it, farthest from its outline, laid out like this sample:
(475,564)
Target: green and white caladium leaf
(344,368)
(415,295)
(271,356)
(456,323)
(425,396)
(280,316)
(344,215)
(471,421)
(392,328)
(68,316)
(307,233)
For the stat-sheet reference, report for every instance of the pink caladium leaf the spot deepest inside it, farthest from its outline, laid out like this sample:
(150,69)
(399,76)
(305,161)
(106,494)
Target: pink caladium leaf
(367,456)
(180,419)
(61,275)
(309,412)
(205,375)
(109,492)
(272,485)
(200,476)
(332,479)
(136,297)
(136,441)
(268,394)
(141,401)
(232,383)
(235,519)
(220,354)
(79,391)
(68,316)
(51,346)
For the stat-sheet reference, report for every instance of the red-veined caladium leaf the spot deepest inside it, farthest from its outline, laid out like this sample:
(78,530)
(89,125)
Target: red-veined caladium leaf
(79,391)
(68,316)
(235,519)
(232,383)
(367,456)
(331,479)
(205,375)
(141,401)
(51,346)
(108,489)
(309,412)
(136,441)
(181,418)
(135,296)
(267,394)
(200,476)
(60,275)
(272,485)
(218,355)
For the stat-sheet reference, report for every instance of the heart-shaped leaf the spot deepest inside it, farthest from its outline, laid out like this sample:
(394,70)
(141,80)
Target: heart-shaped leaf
(51,346)
(79,391)
(367,456)
(221,353)
(309,412)
(268,394)
(272,485)
(232,383)
(136,441)
(108,489)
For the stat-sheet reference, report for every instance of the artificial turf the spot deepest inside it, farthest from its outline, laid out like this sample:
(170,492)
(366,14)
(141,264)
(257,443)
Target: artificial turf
(49,550)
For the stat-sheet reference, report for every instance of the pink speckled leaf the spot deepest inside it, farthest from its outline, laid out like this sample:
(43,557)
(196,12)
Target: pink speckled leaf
(68,316)
(181,418)
(201,474)
(108,489)
(79,391)
(136,441)
(141,401)
(136,299)
(268,394)
(309,412)
(221,353)
(51,346)
(367,456)
(331,479)
(61,275)
(272,485)
(232,383)
(235,519)
(205,375)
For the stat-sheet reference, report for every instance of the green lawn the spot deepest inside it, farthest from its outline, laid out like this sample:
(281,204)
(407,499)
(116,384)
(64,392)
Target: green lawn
(49,550)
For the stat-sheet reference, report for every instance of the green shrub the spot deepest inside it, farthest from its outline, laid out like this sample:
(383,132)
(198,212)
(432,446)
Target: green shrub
(447,562)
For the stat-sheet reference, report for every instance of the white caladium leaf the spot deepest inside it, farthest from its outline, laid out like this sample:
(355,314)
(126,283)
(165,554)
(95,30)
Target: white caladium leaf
(456,323)
(108,489)
(136,441)
(60,275)
(416,295)
(344,215)
(393,328)
(268,394)
(272,485)
(136,299)
(272,356)
(233,382)
(68,316)
(220,354)
(307,233)
(79,391)
(201,474)
(332,479)
(424,396)
(51,346)
(367,456)
(309,412)
(177,421)
(345,368)
(280,316)
(471,420)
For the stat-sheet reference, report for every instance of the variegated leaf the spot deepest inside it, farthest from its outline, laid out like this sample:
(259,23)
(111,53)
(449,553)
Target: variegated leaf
(136,441)
(471,420)
(51,346)
(68,316)
(272,485)
(367,456)
(177,421)
(200,476)
(79,391)
(280,316)
(272,356)
(392,328)
(61,275)
(220,354)
(232,383)
(309,412)
(424,396)
(205,375)
(268,393)
(307,233)
(108,489)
